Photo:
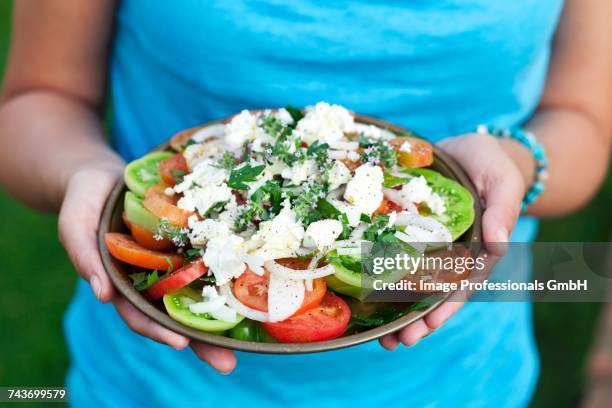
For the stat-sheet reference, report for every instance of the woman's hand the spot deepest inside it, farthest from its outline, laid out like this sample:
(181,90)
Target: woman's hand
(84,200)
(500,170)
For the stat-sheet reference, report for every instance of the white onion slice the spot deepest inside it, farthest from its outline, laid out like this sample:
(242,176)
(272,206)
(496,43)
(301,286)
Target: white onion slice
(358,232)
(342,145)
(337,154)
(225,313)
(285,296)
(298,274)
(208,305)
(420,227)
(239,307)
(208,132)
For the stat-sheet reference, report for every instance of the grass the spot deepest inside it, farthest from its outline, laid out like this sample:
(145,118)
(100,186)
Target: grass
(38,280)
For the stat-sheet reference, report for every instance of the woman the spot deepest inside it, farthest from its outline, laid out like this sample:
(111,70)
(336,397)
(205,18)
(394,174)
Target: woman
(438,67)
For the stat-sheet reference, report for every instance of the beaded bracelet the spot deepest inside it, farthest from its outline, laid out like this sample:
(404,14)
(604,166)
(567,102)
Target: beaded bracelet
(528,140)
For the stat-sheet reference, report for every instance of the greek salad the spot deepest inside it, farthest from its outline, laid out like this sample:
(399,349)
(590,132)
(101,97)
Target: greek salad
(252,228)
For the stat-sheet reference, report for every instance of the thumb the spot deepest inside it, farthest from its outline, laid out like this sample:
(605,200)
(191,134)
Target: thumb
(503,194)
(78,226)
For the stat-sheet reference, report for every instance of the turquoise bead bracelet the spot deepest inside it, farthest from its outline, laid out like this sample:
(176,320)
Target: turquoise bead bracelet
(528,140)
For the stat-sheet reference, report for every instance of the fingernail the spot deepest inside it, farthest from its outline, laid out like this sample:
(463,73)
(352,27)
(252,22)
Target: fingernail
(502,235)
(95,286)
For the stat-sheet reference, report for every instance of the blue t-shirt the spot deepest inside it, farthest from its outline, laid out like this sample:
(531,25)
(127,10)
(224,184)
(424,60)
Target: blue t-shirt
(438,67)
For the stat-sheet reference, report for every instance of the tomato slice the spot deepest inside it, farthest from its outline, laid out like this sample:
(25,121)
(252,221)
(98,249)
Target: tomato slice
(177,279)
(144,172)
(387,206)
(170,168)
(125,249)
(164,206)
(252,290)
(420,154)
(324,322)
(145,237)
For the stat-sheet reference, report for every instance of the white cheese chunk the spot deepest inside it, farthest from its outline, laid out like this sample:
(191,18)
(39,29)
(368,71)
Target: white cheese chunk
(321,234)
(222,257)
(279,237)
(364,191)
(300,172)
(202,198)
(243,128)
(417,191)
(338,175)
(201,232)
(326,123)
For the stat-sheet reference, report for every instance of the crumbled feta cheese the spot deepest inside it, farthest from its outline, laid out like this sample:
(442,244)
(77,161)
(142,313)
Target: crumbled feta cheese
(364,191)
(373,131)
(222,257)
(321,234)
(326,123)
(337,154)
(269,172)
(353,213)
(196,153)
(205,172)
(339,174)
(279,237)
(243,128)
(405,147)
(417,191)
(353,156)
(300,172)
(169,191)
(284,116)
(205,230)
(202,198)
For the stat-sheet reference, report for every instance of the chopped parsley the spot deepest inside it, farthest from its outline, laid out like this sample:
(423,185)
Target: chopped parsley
(243,174)
(143,281)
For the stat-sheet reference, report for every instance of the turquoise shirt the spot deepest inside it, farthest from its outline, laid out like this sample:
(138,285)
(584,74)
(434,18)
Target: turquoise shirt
(438,67)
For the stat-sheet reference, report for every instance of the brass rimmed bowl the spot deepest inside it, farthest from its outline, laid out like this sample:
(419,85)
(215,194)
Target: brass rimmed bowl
(111,221)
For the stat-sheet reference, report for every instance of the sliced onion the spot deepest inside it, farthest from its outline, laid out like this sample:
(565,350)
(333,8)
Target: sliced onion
(358,232)
(208,132)
(298,274)
(241,308)
(285,296)
(207,306)
(421,227)
(337,154)
(342,145)
(350,251)
(227,314)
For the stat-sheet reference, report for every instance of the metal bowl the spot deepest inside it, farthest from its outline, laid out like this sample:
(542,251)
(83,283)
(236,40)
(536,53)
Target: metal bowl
(111,221)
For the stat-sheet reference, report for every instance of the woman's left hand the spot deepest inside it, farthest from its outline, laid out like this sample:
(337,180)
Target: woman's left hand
(501,184)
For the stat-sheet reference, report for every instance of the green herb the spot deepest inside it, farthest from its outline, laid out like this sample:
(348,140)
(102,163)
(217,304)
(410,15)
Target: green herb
(295,113)
(189,143)
(227,161)
(170,265)
(245,173)
(346,229)
(377,152)
(249,213)
(346,262)
(271,192)
(165,230)
(380,231)
(307,201)
(178,175)
(215,208)
(143,281)
(392,181)
(191,254)
(365,218)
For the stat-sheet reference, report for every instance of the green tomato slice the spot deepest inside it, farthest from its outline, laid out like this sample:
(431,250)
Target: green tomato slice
(249,330)
(177,305)
(137,214)
(459,215)
(143,173)
(347,278)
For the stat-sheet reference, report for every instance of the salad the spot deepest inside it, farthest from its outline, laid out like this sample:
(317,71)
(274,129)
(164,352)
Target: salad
(253,228)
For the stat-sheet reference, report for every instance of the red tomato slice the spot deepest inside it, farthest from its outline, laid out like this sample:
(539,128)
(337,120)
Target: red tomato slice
(324,322)
(168,167)
(420,155)
(145,237)
(388,206)
(164,207)
(177,280)
(125,249)
(252,290)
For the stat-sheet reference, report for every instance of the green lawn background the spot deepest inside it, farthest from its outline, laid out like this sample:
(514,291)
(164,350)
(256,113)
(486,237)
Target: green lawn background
(37,282)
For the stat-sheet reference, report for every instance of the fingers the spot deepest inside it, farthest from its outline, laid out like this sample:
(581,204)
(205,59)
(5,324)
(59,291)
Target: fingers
(220,359)
(144,326)
(503,193)
(414,332)
(78,226)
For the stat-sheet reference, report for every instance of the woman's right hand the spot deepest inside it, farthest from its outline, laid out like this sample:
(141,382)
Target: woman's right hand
(86,193)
